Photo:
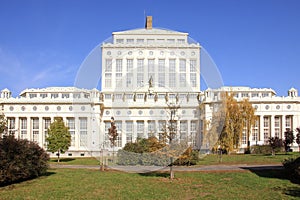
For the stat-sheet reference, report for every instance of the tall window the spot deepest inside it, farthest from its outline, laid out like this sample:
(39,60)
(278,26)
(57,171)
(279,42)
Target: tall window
(182,73)
(172,73)
(151,70)
(140,129)
(129,77)
(140,73)
(255,130)
(183,130)
(23,128)
(277,126)
(107,126)
(35,129)
(151,128)
(193,73)
(83,131)
(288,122)
(192,137)
(46,125)
(11,125)
(118,125)
(119,69)
(71,125)
(129,131)
(161,130)
(161,74)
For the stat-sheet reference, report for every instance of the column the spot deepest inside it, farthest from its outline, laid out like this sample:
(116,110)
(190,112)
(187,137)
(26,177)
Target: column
(283,125)
(261,129)
(29,136)
(41,133)
(272,126)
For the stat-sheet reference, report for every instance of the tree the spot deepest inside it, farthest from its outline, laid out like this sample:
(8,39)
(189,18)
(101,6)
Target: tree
(238,116)
(298,137)
(289,139)
(3,124)
(275,143)
(113,135)
(59,137)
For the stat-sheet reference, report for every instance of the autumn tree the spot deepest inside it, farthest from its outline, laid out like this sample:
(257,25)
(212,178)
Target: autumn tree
(238,116)
(59,137)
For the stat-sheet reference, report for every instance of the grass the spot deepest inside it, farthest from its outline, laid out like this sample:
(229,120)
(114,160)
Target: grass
(207,160)
(93,184)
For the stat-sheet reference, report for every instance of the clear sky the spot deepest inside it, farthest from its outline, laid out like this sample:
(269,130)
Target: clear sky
(254,43)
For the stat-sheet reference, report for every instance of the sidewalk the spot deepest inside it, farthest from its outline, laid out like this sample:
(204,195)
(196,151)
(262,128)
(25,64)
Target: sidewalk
(204,168)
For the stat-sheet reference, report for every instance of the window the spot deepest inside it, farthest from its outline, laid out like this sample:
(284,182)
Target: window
(183,130)
(11,125)
(129,131)
(140,72)
(130,41)
(182,65)
(171,41)
(139,41)
(120,41)
(151,128)
(182,79)
(254,95)
(76,95)
(65,96)
(32,96)
(255,130)
(23,127)
(245,95)
(151,70)
(43,95)
(162,130)
(192,137)
(180,41)
(161,75)
(83,131)
(140,129)
(150,41)
(108,65)
(160,40)
(193,80)
(118,125)
(193,66)
(54,96)
(35,129)
(288,122)
(108,80)
(265,94)
(266,129)
(119,66)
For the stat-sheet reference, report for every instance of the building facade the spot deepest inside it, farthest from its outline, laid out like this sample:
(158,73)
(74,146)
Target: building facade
(145,74)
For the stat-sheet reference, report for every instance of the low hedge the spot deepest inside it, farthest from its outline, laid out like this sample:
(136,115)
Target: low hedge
(20,160)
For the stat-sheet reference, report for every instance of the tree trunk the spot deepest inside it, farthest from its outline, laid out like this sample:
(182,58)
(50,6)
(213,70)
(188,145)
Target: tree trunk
(58,156)
(171,169)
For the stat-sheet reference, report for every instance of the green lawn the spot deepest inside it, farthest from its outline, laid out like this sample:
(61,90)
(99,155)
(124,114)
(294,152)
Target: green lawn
(93,184)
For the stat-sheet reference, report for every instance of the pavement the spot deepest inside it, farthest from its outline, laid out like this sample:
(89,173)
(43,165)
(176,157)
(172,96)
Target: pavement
(203,168)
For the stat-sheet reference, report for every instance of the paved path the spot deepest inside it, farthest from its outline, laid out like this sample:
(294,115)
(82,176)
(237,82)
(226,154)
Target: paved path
(144,169)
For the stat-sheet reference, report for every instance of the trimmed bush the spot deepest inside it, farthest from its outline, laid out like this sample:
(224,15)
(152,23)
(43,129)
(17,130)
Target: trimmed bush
(20,160)
(264,149)
(292,167)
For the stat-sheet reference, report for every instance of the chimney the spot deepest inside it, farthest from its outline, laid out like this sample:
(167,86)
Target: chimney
(148,24)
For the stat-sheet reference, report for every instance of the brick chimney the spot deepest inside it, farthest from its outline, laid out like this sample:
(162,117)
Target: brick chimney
(148,24)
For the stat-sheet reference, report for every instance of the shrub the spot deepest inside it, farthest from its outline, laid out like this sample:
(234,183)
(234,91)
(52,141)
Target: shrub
(292,167)
(20,160)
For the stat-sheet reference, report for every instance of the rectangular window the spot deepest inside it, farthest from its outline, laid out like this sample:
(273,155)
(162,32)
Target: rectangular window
(108,80)
(140,72)
(54,96)
(183,130)
(182,79)
(162,130)
(151,128)
(255,130)
(119,66)
(140,129)
(66,95)
(83,131)
(193,66)
(254,95)
(193,80)
(288,122)
(151,70)
(130,41)
(180,41)
(129,131)
(43,95)
(11,125)
(32,96)
(120,41)
(140,41)
(23,128)
(108,65)
(171,41)
(118,125)
(46,125)
(150,41)
(182,65)
(162,74)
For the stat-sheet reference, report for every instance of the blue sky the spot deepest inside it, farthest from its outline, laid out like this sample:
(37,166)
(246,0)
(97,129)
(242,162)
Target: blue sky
(254,43)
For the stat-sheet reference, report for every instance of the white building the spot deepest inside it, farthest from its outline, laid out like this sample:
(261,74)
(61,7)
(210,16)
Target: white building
(144,73)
